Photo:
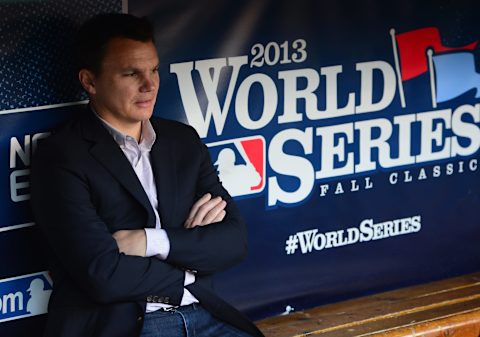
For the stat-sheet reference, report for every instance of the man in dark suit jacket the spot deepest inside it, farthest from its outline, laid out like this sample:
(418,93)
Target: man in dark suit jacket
(131,206)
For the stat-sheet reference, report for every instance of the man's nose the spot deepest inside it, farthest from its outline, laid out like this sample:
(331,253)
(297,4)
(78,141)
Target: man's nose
(148,84)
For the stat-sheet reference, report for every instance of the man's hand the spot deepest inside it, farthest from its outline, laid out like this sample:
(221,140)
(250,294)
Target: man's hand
(131,242)
(206,211)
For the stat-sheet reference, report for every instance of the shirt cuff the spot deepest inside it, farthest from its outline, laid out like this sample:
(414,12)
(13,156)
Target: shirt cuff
(158,244)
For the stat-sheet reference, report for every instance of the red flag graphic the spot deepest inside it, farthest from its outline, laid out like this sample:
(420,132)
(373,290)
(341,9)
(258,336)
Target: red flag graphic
(412,48)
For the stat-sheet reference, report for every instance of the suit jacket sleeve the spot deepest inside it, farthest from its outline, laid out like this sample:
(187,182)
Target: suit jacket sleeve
(211,248)
(81,241)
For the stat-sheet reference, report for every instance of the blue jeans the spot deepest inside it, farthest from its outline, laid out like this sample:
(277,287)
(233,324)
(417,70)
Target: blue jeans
(188,321)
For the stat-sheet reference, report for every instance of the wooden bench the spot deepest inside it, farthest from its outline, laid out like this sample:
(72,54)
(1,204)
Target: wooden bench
(439,309)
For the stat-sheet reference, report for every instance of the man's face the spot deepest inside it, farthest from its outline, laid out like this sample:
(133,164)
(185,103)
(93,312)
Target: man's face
(125,90)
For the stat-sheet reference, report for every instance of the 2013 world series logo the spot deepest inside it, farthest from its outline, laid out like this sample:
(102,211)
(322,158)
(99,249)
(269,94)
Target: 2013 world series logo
(373,129)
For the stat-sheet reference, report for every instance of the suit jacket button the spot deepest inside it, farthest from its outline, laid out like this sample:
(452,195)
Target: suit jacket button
(167,300)
(149,299)
(139,318)
(161,300)
(155,299)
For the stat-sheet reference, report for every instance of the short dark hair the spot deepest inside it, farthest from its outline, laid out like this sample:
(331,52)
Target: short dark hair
(95,34)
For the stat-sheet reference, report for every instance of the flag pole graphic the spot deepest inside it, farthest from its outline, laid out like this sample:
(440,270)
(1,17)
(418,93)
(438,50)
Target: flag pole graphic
(397,68)
(432,77)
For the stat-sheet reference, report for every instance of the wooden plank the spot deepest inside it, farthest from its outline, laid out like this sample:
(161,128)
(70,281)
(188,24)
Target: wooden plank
(389,311)
(462,325)
(403,322)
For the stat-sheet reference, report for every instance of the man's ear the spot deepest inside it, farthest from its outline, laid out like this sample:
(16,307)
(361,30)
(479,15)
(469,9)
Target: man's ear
(87,80)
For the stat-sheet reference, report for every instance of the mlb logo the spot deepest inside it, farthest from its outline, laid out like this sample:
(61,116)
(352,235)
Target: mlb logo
(240,164)
(24,296)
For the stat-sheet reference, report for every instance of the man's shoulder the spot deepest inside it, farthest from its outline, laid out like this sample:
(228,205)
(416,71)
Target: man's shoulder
(163,122)
(67,140)
(172,128)
(65,133)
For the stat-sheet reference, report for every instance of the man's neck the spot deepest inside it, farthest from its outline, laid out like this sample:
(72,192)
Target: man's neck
(133,129)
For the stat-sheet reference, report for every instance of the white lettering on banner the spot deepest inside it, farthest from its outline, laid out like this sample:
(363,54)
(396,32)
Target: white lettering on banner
(300,167)
(16,151)
(473,165)
(434,134)
(11,302)
(323,151)
(355,185)
(263,54)
(406,176)
(290,165)
(19,179)
(29,146)
(331,107)
(269,107)
(366,184)
(465,130)
(209,71)
(366,98)
(435,172)
(343,133)
(311,240)
(17,186)
(24,296)
(290,80)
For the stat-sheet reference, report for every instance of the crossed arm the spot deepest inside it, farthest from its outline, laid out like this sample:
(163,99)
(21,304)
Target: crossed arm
(205,211)
(64,192)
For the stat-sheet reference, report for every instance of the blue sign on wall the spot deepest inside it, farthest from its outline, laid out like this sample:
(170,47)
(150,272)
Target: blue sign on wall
(368,117)
(24,296)
(353,129)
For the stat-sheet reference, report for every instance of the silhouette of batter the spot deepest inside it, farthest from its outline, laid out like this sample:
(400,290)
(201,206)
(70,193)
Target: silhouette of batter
(237,179)
(38,302)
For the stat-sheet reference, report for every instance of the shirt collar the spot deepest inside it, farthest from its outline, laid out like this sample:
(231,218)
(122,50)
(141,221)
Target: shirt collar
(147,137)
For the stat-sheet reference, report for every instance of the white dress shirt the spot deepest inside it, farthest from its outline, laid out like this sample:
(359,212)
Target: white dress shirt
(138,154)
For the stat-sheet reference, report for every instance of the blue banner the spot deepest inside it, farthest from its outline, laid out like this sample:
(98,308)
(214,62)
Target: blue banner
(348,134)
(24,296)
(38,91)
(351,150)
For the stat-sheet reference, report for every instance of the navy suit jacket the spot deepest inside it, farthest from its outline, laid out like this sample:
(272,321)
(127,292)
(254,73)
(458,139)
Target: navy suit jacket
(84,189)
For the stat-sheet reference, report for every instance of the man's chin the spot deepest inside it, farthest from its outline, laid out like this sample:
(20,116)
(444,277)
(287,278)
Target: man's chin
(144,114)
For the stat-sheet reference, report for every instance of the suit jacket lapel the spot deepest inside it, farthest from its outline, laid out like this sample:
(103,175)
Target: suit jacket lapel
(164,171)
(108,153)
